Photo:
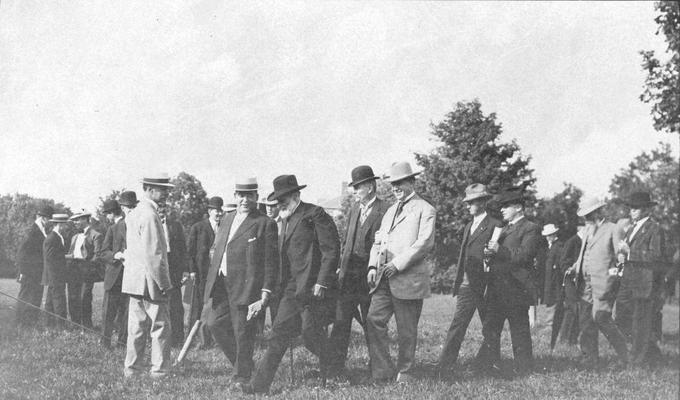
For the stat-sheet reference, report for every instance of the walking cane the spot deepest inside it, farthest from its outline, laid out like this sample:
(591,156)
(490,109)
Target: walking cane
(194,329)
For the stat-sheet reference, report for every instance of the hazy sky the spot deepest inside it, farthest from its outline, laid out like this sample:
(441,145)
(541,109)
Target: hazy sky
(94,95)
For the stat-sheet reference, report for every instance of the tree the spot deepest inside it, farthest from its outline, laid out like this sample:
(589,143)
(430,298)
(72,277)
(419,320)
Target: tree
(187,200)
(561,210)
(468,151)
(662,85)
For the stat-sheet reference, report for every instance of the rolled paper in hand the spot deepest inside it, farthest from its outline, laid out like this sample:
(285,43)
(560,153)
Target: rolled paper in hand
(495,235)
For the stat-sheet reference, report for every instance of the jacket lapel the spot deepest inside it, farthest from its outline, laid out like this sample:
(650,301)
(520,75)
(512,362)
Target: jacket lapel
(247,223)
(483,226)
(597,235)
(221,238)
(641,232)
(292,222)
(404,211)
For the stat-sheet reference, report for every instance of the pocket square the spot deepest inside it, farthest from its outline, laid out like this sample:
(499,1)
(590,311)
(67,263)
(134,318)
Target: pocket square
(252,239)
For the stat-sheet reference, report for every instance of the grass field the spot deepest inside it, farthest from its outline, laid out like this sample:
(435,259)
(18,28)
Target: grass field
(71,365)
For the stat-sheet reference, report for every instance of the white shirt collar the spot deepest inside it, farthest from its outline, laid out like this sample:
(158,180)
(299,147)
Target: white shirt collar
(41,227)
(478,218)
(516,220)
(369,204)
(117,218)
(409,197)
(642,221)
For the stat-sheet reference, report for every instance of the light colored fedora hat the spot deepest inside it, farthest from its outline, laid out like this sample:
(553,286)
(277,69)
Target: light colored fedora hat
(81,214)
(159,179)
(589,205)
(549,229)
(476,191)
(400,171)
(246,185)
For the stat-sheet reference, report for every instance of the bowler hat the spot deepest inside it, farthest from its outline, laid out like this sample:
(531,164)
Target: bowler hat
(81,214)
(216,202)
(246,185)
(362,174)
(59,218)
(476,191)
(589,205)
(46,211)
(160,179)
(128,199)
(284,184)
(110,206)
(400,171)
(640,200)
(549,229)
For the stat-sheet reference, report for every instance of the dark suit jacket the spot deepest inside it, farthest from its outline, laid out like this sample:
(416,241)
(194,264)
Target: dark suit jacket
(252,259)
(310,250)
(54,258)
(30,255)
(512,268)
(647,260)
(114,241)
(201,239)
(177,253)
(471,256)
(552,286)
(364,234)
(91,270)
(570,253)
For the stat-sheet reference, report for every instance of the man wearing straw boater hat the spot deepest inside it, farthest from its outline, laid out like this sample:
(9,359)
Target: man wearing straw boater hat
(399,275)
(552,282)
(146,278)
(470,282)
(309,250)
(639,298)
(55,271)
(243,271)
(201,239)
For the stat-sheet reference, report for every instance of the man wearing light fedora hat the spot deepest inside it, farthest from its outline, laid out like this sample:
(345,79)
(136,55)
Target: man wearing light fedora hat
(470,282)
(55,271)
(399,276)
(596,274)
(146,278)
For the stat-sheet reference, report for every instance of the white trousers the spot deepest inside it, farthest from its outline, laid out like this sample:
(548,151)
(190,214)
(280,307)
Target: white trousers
(147,317)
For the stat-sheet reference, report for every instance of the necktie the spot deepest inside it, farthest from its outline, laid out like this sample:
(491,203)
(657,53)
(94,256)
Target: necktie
(400,207)
(363,215)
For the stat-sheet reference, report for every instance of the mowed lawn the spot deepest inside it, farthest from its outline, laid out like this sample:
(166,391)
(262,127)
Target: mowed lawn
(71,365)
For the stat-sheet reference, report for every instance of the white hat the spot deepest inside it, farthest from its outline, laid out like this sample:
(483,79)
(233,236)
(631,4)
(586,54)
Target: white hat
(589,205)
(549,229)
(159,179)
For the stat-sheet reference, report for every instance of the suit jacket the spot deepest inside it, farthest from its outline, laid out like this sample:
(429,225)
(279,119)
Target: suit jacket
(597,256)
(512,268)
(647,260)
(30,255)
(471,255)
(363,234)
(570,253)
(252,258)
(92,268)
(201,239)
(552,286)
(146,270)
(310,250)
(406,243)
(178,262)
(54,258)
(114,242)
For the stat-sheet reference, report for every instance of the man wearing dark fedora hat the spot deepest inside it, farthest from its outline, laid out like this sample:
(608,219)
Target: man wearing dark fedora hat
(639,298)
(30,264)
(470,282)
(55,271)
(365,217)
(199,245)
(309,250)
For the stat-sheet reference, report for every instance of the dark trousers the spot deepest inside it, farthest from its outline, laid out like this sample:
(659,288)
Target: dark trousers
(467,302)
(642,332)
(352,304)
(55,303)
(590,325)
(569,329)
(176,317)
(30,292)
(200,311)
(80,302)
(406,314)
(292,319)
(115,314)
(497,311)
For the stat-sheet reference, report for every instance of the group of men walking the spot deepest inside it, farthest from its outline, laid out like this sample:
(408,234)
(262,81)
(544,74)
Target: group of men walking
(289,260)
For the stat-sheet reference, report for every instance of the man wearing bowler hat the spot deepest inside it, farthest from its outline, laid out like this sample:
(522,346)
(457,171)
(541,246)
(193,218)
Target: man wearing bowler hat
(30,263)
(365,217)
(146,279)
(199,245)
(470,282)
(309,250)
(55,272)
(243,271)
(639,297)
(399,275)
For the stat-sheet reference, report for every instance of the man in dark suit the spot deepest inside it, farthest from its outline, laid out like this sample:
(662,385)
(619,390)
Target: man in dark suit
(177,266)
(641,286)
(199,246)
(243,271)
(309,251)
(569,329)
(55,271)
(552,281)
(470,282)
(364,219)
(30,263)
(85,265)
(511,288)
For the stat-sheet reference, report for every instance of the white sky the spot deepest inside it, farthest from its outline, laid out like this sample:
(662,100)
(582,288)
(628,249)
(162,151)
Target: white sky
(94,95)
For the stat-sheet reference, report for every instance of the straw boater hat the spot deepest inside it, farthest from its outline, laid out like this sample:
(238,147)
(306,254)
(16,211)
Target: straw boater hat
(46,211)
(110,206)
(216,202)
(268,202)
(283,185)
(229,207)
(160,179)
(476,191)
(81,214)
(246,185)
(362,174)
(128,199)
(589,205)
(549,229)
(400,171)
(640,200)
(59,218)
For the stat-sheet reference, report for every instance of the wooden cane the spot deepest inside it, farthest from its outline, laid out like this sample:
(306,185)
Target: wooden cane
(187,343)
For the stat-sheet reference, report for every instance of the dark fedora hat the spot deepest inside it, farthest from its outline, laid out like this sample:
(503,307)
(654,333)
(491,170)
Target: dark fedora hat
(216,202)
(128,199)
(511,195)
(110,206)
(46,211)
(284,184)
(640,200)
(362,174)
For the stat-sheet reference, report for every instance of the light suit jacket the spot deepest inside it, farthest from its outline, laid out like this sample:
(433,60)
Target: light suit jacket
(406,243)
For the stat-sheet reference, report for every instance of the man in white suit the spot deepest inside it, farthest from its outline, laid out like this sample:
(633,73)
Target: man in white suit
(399,276)
(146,279)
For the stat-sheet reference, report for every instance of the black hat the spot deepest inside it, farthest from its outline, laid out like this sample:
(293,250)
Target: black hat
(362,174)
(283,185)
(513,195)
(640,200)
(46,211)
(128,199)
(216,202)
(110,206)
